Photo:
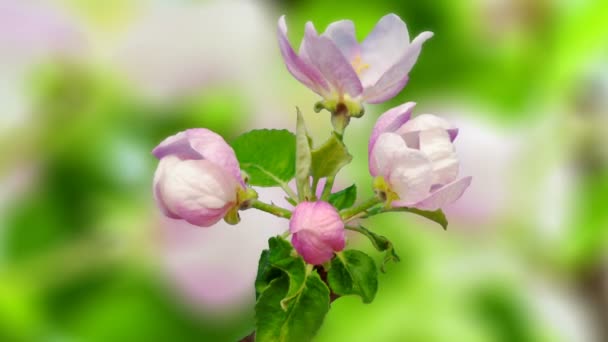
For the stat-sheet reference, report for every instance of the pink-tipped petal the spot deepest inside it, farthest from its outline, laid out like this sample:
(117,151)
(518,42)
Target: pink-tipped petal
(300,69)
(383,47)
(444,195)
(201,143)
(382,156)
(328,59)
(342,33)
(318,231)
(390,121)
(436,145)
(396,77)
(197,191)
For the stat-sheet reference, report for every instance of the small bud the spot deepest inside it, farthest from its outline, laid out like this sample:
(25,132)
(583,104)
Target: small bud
(318,231)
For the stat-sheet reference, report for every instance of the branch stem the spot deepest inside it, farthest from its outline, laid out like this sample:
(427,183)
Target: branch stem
(271,209)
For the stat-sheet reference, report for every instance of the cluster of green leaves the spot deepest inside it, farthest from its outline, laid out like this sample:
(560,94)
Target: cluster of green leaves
(293,298)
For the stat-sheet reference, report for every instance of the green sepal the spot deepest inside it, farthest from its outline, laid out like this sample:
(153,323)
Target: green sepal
(329,158)
(354,272)
(303,159)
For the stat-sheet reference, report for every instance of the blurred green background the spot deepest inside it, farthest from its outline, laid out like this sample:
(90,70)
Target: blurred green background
(88,88)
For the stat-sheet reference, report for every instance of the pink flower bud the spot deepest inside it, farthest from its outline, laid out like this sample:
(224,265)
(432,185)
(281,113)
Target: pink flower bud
(197,178)
(416,159)
(318,231)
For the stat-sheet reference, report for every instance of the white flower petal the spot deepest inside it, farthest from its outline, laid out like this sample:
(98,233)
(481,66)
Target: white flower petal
(436,145)
(411,175)
(383,47)
(383,153)
(342,33)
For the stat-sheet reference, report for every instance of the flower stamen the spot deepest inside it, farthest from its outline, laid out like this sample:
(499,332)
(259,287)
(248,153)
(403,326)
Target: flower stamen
(359,65)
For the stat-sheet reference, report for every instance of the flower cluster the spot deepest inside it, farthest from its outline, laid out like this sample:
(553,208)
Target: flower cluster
(412,162)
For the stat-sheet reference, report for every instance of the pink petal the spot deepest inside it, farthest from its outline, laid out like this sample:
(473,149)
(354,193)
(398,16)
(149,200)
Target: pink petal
(201,143)
(301,70)
(332,64)
(342,33)
(383,47)
(436,145)
(390,121)
(444,195)
(395,78)
(318,231)
(197,191)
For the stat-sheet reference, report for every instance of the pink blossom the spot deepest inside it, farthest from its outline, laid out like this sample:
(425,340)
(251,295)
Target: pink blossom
(318,231)
(198,177)
(342,70)
(414,161)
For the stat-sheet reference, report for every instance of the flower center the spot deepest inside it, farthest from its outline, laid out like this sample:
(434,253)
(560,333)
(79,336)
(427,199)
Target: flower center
(359,65)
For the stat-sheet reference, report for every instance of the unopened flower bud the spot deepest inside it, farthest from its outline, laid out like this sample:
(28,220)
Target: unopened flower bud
(318,231)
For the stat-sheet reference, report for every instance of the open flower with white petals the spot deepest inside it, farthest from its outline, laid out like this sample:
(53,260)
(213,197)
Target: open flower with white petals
(414,161)
(347,73)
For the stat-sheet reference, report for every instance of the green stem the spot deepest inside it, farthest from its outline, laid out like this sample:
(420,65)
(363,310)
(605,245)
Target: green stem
(315,183)
(289,192)
(351,212)
(329,183)
(271,209)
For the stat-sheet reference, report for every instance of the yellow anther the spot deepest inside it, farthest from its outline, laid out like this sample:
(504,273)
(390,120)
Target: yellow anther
(359,65)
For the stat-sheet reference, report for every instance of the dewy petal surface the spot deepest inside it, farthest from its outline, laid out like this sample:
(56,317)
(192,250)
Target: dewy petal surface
(332,64)
(300,69)
(388,41)
(198,191)
(390,121)
(443,196)
(436,145)
(342,33)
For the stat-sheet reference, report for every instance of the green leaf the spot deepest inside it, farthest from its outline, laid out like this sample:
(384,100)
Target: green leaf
(300,319)
(303,159)
(381,243)
(344,198)
(329,158)
(280,259)
(354,272)
(436,216)
(267,156)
